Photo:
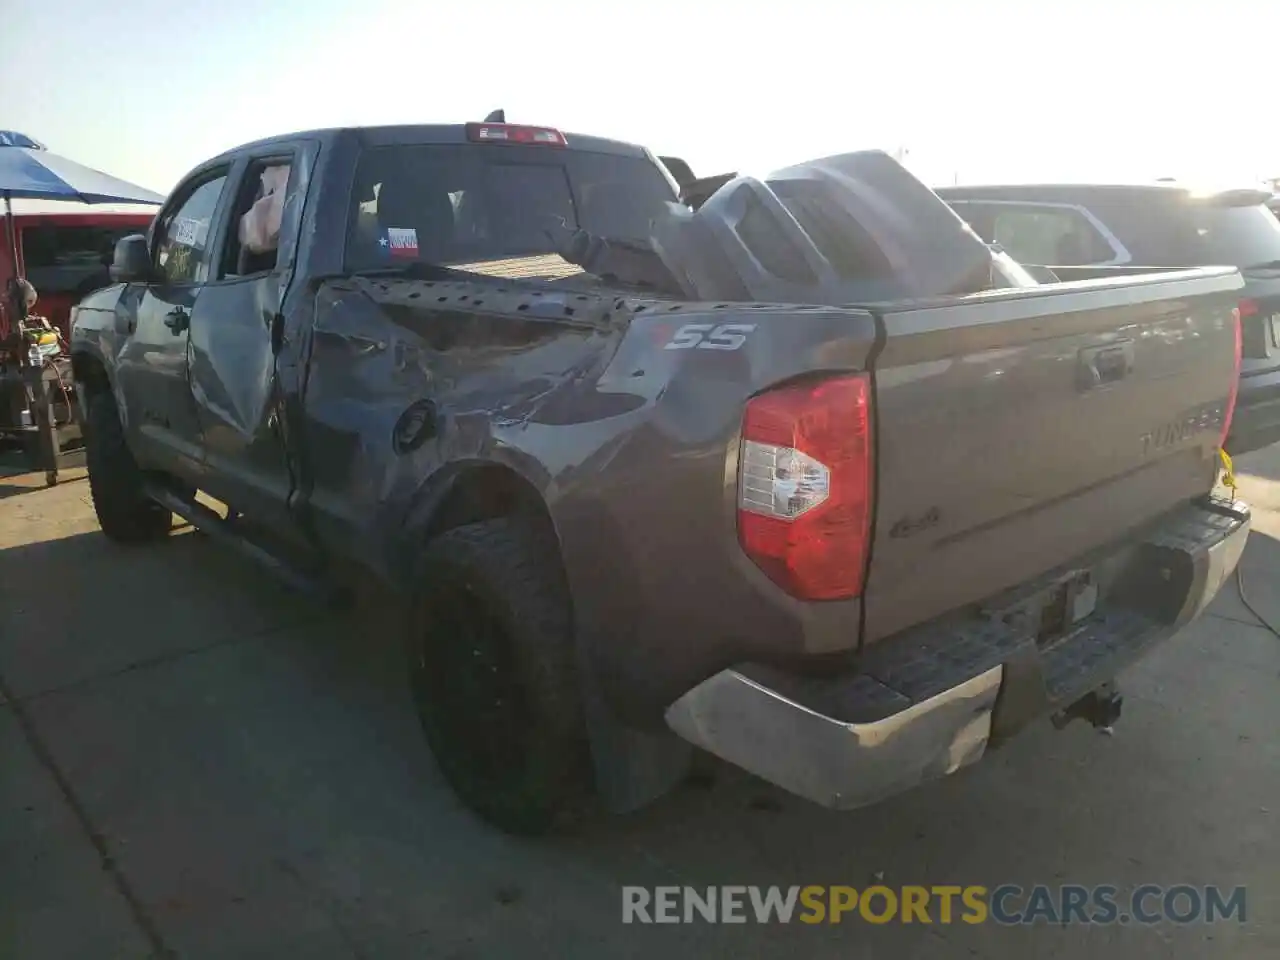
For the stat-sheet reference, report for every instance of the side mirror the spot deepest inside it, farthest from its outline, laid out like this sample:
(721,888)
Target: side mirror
(131,262)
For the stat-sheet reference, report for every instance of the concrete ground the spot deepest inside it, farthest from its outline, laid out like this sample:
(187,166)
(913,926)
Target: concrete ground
(194,763)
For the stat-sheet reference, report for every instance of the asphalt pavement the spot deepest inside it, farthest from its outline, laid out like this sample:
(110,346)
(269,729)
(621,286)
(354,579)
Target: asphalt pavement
(195,763)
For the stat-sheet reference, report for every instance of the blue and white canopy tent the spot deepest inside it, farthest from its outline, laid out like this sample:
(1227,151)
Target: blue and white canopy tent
(29,170)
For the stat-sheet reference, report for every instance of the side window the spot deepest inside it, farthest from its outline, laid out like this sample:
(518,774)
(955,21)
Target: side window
(253,242)
(1052,236)
(182,237)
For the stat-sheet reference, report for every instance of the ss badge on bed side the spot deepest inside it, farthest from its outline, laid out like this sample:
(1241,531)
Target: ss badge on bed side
(709,336)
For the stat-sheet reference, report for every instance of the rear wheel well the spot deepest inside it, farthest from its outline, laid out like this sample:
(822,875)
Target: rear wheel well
(490,492)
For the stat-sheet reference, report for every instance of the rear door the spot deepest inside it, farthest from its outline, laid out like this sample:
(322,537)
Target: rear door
(1018,430)
(236,332)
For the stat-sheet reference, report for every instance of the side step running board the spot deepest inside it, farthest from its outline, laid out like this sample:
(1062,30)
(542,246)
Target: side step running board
(224,531)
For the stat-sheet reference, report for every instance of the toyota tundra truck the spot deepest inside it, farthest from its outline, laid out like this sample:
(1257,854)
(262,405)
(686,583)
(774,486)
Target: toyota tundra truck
(808,477)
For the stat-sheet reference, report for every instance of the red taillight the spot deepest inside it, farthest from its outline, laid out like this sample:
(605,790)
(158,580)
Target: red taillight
(515,133)
(804,486)
(1230,410)
(1248,308)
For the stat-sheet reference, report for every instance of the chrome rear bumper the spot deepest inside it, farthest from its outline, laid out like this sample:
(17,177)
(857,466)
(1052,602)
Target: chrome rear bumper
(808,749)
(836,764)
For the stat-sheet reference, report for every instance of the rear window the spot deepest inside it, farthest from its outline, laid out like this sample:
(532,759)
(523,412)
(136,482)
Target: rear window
(1234,236)
(1175,230)
(469,205)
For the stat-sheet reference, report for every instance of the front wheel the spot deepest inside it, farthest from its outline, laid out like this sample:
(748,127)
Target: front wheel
(494,676)
(125,512)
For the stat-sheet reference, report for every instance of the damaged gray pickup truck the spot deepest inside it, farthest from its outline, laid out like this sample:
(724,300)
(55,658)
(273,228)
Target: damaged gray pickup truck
(807,477)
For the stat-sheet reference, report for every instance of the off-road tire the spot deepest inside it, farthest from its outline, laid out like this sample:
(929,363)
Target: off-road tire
(496,586)
(125,513)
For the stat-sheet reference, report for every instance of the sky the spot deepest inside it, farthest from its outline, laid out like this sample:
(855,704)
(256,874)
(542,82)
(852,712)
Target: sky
(975,91)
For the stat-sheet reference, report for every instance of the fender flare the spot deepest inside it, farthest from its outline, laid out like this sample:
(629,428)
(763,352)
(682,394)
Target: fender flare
(89,351)
(426,501)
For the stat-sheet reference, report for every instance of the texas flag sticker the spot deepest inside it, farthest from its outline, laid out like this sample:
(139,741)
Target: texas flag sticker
(401,242)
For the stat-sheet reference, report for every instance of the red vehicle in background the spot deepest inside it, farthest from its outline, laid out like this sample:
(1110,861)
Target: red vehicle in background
(64,250)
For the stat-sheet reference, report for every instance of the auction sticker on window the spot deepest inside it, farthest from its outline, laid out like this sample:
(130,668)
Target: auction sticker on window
(187,231)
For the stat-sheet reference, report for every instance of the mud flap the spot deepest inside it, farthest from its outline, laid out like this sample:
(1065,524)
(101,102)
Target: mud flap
(1023,695)
(632,767)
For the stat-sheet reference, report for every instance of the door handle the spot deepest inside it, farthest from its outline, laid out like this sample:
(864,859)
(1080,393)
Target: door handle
(1105,364)
(177,320)
(277,332)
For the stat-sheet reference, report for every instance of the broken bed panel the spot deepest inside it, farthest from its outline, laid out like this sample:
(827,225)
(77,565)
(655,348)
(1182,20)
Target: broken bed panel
(853,228)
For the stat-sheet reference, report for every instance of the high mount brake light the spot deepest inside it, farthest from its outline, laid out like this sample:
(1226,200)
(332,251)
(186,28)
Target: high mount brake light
(1230,410)
(804,486)
(515,133)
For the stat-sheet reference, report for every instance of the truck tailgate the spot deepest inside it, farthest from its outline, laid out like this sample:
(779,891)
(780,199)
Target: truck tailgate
(1018,430)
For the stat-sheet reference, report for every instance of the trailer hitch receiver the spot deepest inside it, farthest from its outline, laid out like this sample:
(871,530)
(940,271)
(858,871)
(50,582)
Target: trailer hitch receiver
(1100,707)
